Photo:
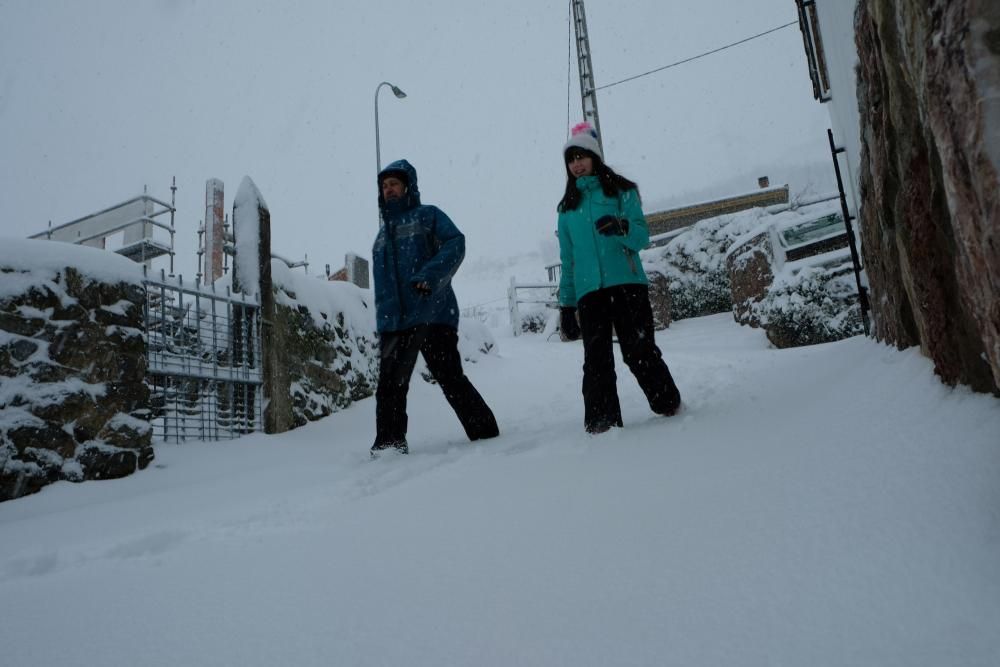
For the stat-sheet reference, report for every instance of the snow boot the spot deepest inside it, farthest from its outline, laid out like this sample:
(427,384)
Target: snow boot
(670,412)
(379,449)
(603,426)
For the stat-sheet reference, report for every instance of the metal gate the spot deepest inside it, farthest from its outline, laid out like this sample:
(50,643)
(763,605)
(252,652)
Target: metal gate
(203,356)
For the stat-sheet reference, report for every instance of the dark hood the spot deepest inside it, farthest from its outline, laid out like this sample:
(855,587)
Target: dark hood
(412,197)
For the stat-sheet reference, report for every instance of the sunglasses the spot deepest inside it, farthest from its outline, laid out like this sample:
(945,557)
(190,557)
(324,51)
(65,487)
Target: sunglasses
(575,155)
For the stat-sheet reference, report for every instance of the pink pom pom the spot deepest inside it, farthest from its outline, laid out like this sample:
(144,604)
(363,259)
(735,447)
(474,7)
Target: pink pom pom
(582,127)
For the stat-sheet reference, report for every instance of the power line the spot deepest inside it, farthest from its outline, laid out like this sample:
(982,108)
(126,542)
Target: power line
(700,55)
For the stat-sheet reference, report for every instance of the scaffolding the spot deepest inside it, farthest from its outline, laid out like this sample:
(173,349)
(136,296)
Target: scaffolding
(134,218)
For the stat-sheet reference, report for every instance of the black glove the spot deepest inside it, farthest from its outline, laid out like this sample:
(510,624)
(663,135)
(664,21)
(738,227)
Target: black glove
(567,323)
(610,225)
(422,288)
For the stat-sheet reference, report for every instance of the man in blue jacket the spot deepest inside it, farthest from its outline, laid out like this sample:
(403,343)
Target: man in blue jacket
(417,251)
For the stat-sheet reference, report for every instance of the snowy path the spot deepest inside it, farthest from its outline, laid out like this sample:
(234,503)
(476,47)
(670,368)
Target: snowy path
(831,505)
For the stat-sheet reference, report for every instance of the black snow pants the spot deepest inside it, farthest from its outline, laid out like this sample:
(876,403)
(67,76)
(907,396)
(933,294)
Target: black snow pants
(626,308)
(439,345)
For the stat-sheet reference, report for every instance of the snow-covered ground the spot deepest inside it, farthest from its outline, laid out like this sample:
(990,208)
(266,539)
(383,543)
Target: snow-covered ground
(825,506)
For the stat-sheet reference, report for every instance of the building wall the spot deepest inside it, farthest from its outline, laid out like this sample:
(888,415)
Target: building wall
(836,23)
(660,222)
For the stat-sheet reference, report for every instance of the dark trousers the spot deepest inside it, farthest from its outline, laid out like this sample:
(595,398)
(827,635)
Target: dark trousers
(626,308)
(439,345)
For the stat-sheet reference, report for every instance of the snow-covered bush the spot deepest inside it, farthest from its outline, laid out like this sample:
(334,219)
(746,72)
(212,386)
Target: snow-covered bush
(815,303)
(694,263)
(534,321)
(808,301)
(475,340)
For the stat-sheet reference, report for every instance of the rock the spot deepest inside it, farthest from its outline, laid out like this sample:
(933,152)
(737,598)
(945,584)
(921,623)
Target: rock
(929,180)
(750,276)
(106,462)
(660,300)
(22,349)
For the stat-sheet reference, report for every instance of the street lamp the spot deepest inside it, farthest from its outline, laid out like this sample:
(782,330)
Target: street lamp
(399,94)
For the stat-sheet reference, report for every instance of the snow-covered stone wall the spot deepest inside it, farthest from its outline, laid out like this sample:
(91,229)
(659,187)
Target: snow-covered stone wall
(326,341)
(74,403)
(73,400)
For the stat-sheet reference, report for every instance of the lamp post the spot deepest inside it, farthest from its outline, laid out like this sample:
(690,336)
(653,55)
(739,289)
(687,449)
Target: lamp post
(399,94)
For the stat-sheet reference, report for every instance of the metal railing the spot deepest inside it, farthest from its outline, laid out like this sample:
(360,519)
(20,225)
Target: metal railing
(203,351)
(538,294)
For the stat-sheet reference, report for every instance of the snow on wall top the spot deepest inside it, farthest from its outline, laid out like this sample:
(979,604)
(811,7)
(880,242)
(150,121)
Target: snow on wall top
(51,257)
(323,297)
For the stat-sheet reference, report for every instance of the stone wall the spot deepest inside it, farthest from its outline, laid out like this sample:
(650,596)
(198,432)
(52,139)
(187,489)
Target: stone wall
(930,192)
(328,367)
(72,392)
(659,299)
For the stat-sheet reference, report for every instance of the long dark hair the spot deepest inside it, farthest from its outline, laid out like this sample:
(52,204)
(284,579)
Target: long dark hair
(612,184)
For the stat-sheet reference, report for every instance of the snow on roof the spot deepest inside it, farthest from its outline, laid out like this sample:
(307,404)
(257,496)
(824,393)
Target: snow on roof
(783,220)
(718,200)
(791,218)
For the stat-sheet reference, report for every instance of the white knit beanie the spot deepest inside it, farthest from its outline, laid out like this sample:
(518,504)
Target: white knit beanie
(583,135)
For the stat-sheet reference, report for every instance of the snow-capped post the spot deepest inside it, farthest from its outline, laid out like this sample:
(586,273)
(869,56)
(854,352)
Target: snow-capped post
(515,315)
(252,275)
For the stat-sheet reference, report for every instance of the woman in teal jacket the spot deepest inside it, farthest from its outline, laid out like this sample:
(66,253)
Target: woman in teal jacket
(601,231)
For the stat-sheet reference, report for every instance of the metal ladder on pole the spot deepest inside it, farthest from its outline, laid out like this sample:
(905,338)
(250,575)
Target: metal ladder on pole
(588,91)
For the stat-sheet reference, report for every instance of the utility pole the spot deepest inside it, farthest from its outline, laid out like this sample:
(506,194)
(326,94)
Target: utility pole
(588,91)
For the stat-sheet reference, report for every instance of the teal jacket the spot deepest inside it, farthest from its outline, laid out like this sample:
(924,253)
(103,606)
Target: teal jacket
(590,260)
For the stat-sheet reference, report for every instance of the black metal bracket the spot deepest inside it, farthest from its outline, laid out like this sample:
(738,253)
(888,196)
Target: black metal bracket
(851,241)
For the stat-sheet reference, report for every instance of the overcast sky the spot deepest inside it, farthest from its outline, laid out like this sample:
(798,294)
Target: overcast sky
(99,98)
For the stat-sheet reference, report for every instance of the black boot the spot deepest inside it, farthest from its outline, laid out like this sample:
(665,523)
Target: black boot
(380,448)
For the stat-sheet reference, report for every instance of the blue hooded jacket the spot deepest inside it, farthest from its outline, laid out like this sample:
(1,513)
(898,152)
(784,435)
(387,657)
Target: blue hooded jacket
(416,243)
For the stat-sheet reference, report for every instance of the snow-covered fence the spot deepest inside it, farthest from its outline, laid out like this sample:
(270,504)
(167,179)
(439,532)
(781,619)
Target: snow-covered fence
(540,297)
(204,369)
